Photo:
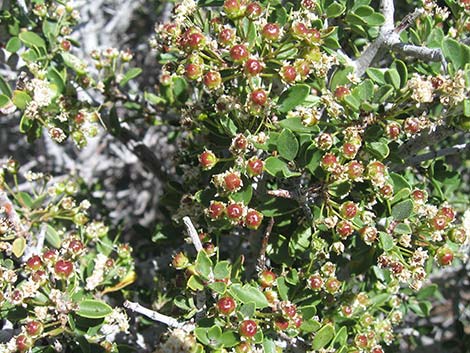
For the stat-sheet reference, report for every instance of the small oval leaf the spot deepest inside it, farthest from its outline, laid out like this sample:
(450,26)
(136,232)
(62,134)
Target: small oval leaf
(93,309)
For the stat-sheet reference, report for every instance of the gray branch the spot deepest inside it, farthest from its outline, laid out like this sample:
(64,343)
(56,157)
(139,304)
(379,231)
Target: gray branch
(193,234)
(428,137)
(11,213)
(389,39)
(156,316)
(416,160)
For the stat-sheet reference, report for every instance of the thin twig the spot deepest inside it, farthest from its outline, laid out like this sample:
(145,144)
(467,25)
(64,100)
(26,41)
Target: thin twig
(36,249)
(428,137)
(193,233)
(156,316)
(431,155)
(261,265)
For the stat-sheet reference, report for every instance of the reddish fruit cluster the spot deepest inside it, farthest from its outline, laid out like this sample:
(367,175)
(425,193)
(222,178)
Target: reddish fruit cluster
(248,328)
(226,305)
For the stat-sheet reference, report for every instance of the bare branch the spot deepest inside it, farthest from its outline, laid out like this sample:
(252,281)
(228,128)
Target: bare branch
(419,52)
(156,316)
(408,20)
(36,249)
(262,254)
(428,137)
(388,10)
(432,155)
(193,233)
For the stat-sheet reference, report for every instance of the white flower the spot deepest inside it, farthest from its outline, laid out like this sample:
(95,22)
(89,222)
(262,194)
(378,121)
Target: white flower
(97,276)
(421,89)
(42,93)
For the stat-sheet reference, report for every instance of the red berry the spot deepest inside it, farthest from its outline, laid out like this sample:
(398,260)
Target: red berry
(34,263)
(376,169)
(361,341)
(288,73)
(271,31)
(232,182)
(346,310)
(50,255)
(234,211)
(212,80)
(196,41)
(302,67)
(411,125)
(226,37)
(259,97)
(193,71)
(208,160)
(344,229)
(267,278)
(271,296)
(281,323)
(299,30)
(255,166)
(349,150)
(348,210)
(216,209)
(447,212)
(439,222)
(75,246)
(445,256)
(253,67)
(298,321)
(377,349)
(234,8)
(248,328)
(239,143)
(290,310)
(341,91)
(386,191)
(253,219)
(23,343)
(243,347)
(39,276)
(239,53)
(226,305)
(332,285)
(393,130)
(180,260)
(419,196)
(315,282)
(34,328)
(314,35)
(329,160)
(65,45)
(457,235)
(63,268)
(253,10)
(355,170)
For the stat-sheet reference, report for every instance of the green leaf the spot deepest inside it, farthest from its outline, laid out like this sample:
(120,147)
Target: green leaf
(249,294)
(20,99)
(386,241)
(244,195)
(278,168)
(342,336)
(295,124)
(335,9)
(93,309)
(269,346)
(52,237)
(364,11)
(340,77)
(287,145)
(427,292)
(323,337)
(55,77)
(402,228)
(18,247)
(222,270)
(5,87)
(376,19)
(377,75)
(195,283)
(453,52)
(4,100)
(203,264)
(214,332)
(402,70)
(248,310)
(466,108)
(292,97)
(399,182)
(402,210)
(228,339)
(383,93)
(129,75)
(378,149)
(364,91)
(31,39)
(282,288)
(310,325)
(201,335)
(392,77)
(13,45)
(219,287)
(74,63)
